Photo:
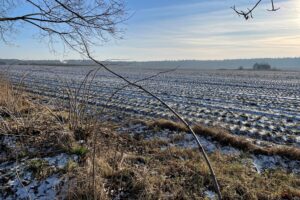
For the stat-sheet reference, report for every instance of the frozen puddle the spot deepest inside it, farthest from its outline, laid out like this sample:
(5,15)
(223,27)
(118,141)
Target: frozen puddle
(210,195)
(17,180)
(61,160)
(261,163)
(45,189)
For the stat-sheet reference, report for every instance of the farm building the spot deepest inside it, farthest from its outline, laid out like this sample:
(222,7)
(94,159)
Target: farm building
(261,66)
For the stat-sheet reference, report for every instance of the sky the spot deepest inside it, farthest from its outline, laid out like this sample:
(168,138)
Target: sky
(184,29)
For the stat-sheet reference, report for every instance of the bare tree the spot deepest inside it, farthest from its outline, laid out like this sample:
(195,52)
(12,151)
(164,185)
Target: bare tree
(67,20)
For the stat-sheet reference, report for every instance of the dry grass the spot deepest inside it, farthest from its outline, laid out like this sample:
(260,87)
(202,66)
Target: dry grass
(12,103)
(132,168)
(79,185)
(31,125)
(224,137)
(167,124)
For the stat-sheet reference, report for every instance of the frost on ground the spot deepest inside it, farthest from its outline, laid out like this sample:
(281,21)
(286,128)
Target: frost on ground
(262,162)
(35,148)
(22,179)
(171,138)
(210,195)
(262,105)
(134,160)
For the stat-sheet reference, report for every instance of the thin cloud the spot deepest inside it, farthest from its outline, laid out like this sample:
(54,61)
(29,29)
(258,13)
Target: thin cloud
(206,29)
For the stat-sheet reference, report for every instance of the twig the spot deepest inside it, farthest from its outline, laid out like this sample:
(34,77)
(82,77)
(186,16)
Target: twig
(248,14)
(105,106)
(140,80)
(178,116)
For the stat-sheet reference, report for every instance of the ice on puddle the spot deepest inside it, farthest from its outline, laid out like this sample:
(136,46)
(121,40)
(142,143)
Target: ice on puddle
(60,160)
(210,195)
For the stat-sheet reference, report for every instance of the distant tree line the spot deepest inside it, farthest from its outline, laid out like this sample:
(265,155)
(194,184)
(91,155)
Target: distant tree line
(246,64)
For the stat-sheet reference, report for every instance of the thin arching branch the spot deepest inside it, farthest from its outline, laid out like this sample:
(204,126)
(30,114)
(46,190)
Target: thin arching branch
(176,114)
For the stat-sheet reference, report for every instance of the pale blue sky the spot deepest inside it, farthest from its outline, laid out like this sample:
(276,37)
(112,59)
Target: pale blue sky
(185,29)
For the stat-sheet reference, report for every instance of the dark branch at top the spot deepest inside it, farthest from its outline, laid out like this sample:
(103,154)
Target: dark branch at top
(68,20)
(248,14)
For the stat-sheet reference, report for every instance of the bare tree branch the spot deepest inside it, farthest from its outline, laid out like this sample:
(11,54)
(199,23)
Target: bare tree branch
(106,105)
(95,20)
(177,115)
(249,13)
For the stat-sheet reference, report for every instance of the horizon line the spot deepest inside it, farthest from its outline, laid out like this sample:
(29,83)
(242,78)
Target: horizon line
(166,60)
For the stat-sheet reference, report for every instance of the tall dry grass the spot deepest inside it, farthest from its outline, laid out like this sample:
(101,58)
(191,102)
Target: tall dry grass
(224,137)
(11,101)
(20,116)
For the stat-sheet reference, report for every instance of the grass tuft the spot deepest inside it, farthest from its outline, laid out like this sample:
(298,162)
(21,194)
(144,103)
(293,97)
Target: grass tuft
(79,150)
(224,137)
(40,168)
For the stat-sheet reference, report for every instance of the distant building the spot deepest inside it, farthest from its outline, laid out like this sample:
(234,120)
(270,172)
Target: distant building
(261,66)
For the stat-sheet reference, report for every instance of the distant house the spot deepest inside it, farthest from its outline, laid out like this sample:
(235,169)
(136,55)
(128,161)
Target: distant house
(261,66)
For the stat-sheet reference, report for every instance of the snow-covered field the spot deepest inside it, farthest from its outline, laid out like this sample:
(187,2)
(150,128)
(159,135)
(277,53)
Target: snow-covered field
(263,105)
